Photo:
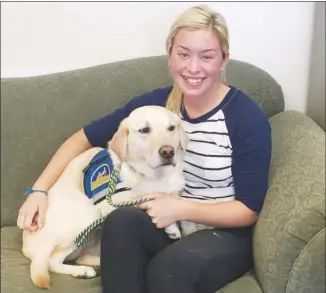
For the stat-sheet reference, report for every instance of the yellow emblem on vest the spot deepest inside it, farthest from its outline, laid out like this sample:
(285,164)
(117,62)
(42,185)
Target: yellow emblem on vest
(100,176)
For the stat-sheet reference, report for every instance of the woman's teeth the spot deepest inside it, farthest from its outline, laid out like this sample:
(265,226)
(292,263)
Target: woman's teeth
(193,81)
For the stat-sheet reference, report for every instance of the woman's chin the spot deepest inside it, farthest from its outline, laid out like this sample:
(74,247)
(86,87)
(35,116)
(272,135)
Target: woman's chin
(193,92)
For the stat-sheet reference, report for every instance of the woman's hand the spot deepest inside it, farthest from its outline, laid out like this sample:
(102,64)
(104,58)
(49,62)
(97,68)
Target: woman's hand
(163,209)
(32,213)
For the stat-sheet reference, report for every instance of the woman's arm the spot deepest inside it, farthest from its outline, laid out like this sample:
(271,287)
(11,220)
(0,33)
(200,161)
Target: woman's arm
(223,215)
(35,205)
(165,210)
(71,148)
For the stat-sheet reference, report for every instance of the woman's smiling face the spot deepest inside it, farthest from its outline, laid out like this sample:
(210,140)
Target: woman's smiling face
(196,61)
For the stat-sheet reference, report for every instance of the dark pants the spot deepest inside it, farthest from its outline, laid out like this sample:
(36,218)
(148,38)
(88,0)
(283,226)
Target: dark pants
(136,257)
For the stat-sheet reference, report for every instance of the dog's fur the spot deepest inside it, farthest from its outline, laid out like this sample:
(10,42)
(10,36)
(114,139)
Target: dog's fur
(70,211)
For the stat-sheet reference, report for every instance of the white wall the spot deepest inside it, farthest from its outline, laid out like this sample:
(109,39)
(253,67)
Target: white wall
(316,88)
(40,38)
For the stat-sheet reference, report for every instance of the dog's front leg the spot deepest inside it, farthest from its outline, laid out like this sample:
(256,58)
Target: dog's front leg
(57,258)
(89,260)
(188,228)
(173,231)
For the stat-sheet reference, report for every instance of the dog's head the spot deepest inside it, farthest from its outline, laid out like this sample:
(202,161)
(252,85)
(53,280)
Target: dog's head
(151,136)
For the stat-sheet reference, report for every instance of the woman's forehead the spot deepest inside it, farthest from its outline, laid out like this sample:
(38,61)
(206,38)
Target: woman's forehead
(196,39)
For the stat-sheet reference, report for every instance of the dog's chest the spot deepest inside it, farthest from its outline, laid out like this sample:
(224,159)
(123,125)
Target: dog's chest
(157,187)
(169,182)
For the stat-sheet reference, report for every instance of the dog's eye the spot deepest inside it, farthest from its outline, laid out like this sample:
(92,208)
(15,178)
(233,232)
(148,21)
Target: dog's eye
(144,130)
(171,128)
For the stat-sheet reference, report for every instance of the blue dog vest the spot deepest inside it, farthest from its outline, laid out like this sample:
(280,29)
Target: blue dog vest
(97,176)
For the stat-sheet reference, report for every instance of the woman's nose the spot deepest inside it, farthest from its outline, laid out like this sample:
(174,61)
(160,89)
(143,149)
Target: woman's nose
(193,65)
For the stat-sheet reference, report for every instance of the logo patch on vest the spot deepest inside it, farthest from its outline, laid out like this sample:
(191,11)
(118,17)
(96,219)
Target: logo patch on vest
(100,176)
(97,176)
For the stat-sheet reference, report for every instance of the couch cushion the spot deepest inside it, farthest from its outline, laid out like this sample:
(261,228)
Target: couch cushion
(15,276)
(245,284)
(308,272)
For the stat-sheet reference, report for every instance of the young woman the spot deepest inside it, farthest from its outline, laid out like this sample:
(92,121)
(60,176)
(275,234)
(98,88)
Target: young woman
(227,161)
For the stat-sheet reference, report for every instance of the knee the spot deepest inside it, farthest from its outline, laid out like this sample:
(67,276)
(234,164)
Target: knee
(125,219)
(167,267)
(167,261)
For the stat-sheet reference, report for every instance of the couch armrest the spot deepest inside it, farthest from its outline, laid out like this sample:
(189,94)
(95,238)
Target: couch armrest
(294,209)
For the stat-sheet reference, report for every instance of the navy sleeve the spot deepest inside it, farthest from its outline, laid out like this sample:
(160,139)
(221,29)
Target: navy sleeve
(100,131)
(251,143)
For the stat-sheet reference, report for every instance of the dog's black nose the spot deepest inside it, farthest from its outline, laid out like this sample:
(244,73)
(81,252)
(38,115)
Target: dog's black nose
(166,152)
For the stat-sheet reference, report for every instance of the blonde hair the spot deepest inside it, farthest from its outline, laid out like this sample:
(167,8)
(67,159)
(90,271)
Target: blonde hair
(196,17)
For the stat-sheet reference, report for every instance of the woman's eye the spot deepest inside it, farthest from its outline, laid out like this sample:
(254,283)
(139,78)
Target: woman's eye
(171,128)
(144,130)
(184,55)
(206,58)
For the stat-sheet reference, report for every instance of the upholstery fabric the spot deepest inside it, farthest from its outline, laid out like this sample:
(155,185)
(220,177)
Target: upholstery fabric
(15,275)
(245,284)
(294,209)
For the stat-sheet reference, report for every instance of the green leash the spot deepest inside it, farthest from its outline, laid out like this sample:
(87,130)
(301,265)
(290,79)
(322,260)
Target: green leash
(83,236)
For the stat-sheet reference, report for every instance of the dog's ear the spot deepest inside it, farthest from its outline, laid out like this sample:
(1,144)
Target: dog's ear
(118,143)
(184,139)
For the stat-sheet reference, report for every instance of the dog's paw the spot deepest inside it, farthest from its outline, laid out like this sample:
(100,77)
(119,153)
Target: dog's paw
(83,272)
(173,232)
(174,235)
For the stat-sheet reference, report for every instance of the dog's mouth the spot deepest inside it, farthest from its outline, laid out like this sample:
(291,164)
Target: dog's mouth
(168,163)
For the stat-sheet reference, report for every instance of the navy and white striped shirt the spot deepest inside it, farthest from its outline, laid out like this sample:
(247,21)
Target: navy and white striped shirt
(208,160)
(229,151)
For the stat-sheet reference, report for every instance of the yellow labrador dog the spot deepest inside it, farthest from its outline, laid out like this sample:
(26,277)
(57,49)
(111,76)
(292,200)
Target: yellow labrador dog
(149,144)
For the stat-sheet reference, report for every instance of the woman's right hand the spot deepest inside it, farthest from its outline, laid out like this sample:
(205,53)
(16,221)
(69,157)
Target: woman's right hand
(31,215)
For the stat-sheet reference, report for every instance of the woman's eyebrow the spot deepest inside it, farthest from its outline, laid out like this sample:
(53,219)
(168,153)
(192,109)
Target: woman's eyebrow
(206,50)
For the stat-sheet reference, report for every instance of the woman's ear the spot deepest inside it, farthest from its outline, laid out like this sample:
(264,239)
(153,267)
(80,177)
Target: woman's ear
(169,62)
(224,61)
(118,143)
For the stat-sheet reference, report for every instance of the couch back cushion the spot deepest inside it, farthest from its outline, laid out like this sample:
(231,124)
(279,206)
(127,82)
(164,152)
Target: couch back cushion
(39,113)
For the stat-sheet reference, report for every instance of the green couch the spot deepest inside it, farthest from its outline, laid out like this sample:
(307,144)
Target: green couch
(39,113)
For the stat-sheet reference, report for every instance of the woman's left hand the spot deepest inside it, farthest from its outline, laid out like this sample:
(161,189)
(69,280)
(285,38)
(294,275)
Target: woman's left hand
(163,209)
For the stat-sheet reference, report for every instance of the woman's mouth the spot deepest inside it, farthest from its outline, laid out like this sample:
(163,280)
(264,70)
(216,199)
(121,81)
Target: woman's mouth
(192,81)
